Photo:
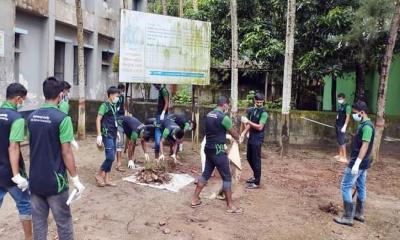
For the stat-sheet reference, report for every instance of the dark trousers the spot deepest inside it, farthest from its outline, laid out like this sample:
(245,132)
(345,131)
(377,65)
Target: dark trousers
(221,162)
(254,158)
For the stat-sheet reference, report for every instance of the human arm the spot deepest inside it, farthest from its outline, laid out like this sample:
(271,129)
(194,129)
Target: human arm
(366,139)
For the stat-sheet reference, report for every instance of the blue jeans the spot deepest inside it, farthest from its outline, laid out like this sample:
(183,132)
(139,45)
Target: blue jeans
(61,213)
(157,135)
(22,200)
(110,150)
(348,182)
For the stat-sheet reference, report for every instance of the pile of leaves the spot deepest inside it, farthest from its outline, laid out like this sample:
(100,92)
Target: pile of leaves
(330,208)
(153,174)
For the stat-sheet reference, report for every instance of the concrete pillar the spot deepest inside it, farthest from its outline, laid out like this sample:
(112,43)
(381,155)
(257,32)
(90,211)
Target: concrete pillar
(140,5)
(50,33)
(7,24)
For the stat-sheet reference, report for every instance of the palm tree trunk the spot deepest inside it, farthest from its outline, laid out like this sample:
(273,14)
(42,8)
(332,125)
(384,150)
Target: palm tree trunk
(234,62)
(287,76)
(383,81)
(180,8)
(195,6)
(81,72)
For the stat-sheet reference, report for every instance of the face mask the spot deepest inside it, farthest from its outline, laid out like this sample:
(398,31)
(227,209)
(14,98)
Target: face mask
(341,101)
(66,99)
(357,117)
(115,100)
(20,105)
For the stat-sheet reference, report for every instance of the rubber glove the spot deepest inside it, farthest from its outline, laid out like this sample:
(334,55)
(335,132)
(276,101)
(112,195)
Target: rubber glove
(244,119)
(162,116)
(21,182)
(343,130)
(146,157)
(131,164)
(78,185)
(161,158)
(99,140)
(356,167)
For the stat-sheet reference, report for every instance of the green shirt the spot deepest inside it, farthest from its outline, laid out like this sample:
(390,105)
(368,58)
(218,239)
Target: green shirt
(264,118)
(166,133)
(348,109)
(134,136)
(226,121)
(367,132)
(64,107)
(17,132)
(66,129)
(164,92)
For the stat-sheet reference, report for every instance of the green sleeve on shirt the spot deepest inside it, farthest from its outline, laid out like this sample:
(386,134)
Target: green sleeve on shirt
(134,136)
(164,92)
(227,123)
(66,130)
(367,133)
(64,107)
(102,109)
(166,133)
(17,132)
(348,109)
(264,118)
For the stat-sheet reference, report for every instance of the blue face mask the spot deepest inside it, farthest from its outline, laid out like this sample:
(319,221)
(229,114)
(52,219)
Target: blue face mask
(115,100)
(357,117)
(20,105)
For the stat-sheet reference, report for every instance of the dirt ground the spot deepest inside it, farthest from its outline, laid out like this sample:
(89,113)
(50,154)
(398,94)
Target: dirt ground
(286,206)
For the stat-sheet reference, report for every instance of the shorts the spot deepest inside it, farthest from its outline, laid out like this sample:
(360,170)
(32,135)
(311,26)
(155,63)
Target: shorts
(340,137)
(22,200)
(121,140)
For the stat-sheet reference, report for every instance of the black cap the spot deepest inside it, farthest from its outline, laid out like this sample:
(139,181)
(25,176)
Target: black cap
(360,106)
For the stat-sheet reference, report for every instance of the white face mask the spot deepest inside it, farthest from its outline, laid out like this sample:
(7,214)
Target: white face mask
(340,101)
(357,117)
(115,99)
(20,105)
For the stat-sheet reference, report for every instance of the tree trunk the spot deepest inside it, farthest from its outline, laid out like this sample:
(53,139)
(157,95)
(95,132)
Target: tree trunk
(333,92)
(195,6)
(273,91)
(287,75)
(164,7)
(360,82)
(266,86)
(383,81)
(234,62)
(180,8)
(81,72)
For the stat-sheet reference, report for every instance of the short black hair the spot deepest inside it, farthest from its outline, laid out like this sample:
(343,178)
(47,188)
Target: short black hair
(360,106)
(121,86)
(341,95)
(222,100)
(259,96)
(67,86)
(52,87)
(16,90)
(112,90)
(179,134)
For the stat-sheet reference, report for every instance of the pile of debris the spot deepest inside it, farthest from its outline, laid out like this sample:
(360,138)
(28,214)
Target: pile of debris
(329,208)
(150,175)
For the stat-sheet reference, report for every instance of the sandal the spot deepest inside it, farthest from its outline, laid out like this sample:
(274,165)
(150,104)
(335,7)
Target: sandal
(196,205)
(100,181)
(120,169)
(234,211)
(110,184)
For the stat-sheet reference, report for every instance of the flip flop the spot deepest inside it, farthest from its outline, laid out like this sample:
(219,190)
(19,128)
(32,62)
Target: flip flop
(100,181)
(120,169)
(235,211)
(199,204)
(111,184)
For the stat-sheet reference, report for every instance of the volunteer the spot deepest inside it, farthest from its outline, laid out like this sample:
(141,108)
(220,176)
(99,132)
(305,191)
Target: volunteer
(342,121)
(162,112)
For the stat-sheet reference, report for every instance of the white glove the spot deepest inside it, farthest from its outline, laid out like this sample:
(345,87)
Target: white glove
(118,136)
(78,185)
(241,138)
(131,164)
(21,182)
(146,157)
(181,147)
(74,143)
(161,157)
(244,119)
(99,141)
(174,157)
(162,116)
(229,137)
(343,130)
(356,166)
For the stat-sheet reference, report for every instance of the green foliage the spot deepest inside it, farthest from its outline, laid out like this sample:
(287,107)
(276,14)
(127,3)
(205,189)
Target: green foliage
(182,96)
(275,104)
(115,63)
